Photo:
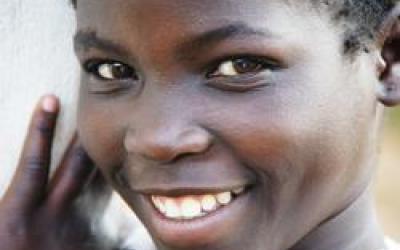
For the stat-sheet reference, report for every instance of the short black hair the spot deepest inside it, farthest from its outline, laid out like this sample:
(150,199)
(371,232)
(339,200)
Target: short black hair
(360,19)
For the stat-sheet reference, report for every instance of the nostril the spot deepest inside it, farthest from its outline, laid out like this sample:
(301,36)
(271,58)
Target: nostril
(151,148)
(160,153)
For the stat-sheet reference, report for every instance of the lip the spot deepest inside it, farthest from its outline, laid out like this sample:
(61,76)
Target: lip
(196,232)
(183,191)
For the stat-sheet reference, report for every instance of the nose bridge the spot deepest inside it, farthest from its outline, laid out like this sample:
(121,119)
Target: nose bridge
(164,140)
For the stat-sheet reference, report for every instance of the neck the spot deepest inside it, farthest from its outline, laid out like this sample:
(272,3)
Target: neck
(355,228)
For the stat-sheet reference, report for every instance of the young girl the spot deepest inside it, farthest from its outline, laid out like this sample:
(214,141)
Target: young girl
(237,125)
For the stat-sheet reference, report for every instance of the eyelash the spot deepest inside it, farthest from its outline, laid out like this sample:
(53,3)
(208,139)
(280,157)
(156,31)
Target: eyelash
(231,79)
(93,67)
(263,64)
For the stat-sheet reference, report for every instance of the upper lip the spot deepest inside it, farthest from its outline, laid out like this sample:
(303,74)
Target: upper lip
(187,178)
(182,191)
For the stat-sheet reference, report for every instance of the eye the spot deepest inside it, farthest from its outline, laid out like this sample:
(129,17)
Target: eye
(240,66)
(111,70)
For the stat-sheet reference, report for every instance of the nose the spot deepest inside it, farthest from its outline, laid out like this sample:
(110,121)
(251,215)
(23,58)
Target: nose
(168,143)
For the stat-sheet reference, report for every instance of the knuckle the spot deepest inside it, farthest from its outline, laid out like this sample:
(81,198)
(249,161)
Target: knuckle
(17,230)
(35,164)
(16,227)
(81,156)
(79,152)
(45,128)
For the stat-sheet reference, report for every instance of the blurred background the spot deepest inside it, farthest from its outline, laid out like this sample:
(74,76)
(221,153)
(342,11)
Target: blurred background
(388,178)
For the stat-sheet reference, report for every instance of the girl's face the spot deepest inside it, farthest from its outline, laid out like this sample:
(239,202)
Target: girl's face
(224,124)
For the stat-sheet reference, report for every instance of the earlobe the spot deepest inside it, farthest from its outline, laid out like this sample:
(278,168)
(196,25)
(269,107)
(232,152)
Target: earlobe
(388,92)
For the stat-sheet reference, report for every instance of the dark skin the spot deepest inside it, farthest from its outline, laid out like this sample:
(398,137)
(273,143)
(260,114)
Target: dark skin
(297,125)
(38,213)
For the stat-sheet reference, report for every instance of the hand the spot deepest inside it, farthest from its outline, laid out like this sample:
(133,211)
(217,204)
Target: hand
(38,214)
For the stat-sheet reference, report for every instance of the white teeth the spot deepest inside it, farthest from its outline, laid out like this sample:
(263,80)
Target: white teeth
(171,209)
(224,198)
(157,202)
(193,206)
(190,208)
(208,203)
(238,190)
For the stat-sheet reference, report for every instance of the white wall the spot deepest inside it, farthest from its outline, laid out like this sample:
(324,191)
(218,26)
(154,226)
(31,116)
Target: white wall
(36,57)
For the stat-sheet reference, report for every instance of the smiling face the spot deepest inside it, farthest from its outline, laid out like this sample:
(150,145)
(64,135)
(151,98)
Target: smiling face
(224,124)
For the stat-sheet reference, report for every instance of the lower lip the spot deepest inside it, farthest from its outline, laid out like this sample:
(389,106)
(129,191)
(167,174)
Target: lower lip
(196,232)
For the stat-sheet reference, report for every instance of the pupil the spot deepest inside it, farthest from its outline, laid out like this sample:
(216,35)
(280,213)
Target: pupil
(245,66)
(119,71)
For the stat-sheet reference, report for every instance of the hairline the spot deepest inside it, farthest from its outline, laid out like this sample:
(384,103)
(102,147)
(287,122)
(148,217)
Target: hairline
(355,39)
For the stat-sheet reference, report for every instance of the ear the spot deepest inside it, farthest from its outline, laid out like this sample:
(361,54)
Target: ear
(388,92)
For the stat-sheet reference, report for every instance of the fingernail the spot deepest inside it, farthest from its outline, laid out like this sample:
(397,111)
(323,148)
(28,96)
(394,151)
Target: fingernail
(49,104)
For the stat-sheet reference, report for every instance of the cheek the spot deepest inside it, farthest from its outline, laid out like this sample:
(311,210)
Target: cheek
(299,143)
(101,133)
(279,146)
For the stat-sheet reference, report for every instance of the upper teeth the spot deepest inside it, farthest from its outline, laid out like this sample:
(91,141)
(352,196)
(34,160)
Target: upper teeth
(193,206)
(208,203)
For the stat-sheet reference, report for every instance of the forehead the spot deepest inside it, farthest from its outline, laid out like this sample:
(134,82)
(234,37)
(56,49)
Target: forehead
(183,17)
(154,32)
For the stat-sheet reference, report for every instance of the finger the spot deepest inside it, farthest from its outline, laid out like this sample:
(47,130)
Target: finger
(73,173)
(28,187)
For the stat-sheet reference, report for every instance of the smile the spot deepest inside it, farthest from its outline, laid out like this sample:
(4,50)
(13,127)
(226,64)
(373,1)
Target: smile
(191,207)
(184,217)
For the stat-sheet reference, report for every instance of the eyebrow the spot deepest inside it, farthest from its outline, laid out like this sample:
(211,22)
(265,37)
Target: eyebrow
(211,38)
(87,39)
